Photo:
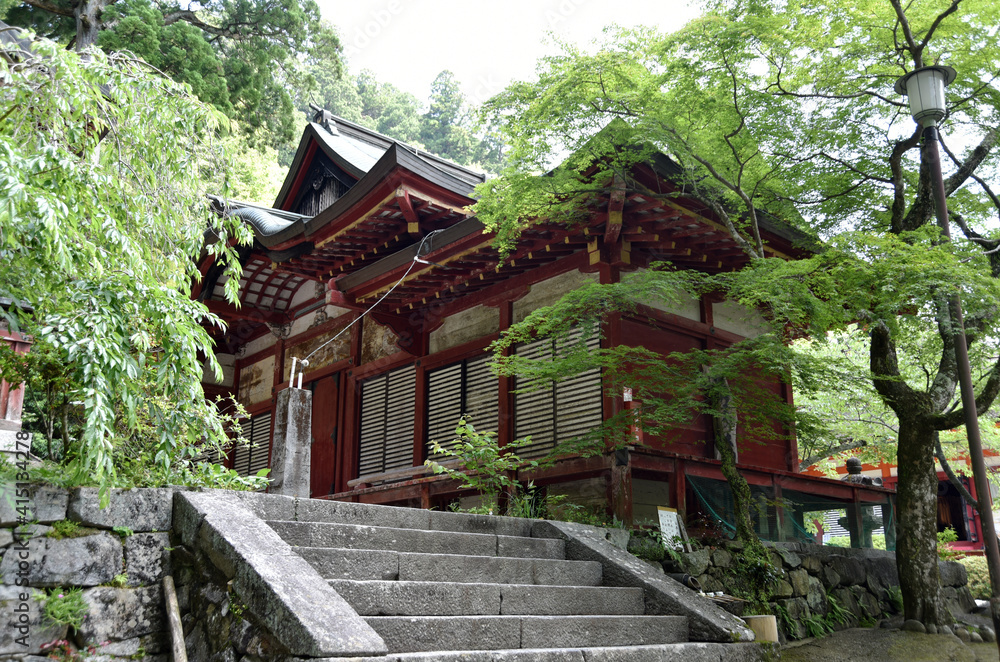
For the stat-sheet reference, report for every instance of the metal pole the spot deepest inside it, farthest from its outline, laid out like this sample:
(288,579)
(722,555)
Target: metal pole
(983,497)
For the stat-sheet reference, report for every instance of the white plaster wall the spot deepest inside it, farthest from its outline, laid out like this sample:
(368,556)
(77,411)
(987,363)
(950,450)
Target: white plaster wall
(309,290)
(464,327)
(547,292)
(735,318)
(258,344)
(306,321)
(256,381)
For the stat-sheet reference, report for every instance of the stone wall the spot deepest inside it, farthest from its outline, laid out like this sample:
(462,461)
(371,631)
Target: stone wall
(116,557)
(816,580)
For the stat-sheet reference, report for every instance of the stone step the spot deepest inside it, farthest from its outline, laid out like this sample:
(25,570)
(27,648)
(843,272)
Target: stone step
(681,652)
(412,566)
(355,536)
(341,512)
(403,598)
(409,634)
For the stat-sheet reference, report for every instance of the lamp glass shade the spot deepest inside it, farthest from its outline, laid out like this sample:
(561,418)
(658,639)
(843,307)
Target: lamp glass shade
(925,90)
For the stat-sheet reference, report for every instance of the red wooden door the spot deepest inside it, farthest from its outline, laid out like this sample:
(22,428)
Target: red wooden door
(324,432)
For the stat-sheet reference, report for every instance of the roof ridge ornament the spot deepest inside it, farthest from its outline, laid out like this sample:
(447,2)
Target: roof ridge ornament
(325,118)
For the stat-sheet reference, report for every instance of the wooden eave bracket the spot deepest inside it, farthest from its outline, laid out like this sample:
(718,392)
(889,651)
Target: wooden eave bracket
(613,227)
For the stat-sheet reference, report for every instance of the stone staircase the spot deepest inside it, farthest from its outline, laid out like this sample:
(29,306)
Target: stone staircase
(453,586)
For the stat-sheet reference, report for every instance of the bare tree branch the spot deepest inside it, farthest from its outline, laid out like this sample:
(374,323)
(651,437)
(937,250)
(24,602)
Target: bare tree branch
(846,446)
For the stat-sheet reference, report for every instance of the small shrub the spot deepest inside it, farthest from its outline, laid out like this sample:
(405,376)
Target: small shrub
(944,549)
(486,467)
(836,615)
(816,626)
(979,576)
(64,606)
(647,544)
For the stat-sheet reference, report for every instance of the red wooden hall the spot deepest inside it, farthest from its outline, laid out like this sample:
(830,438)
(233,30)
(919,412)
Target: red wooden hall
(353,212)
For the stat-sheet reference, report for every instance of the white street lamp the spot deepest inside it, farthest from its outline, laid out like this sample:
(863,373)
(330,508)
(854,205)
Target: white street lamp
(925,89)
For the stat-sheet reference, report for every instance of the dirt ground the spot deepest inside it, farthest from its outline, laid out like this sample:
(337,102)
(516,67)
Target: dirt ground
(887,646)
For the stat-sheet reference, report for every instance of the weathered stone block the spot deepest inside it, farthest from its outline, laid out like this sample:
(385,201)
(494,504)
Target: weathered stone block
(867,603)
(799,579)
(45,504)
(816,597)
(721,558)
(952,574)
(29,624)
(790,558)
(783,589)
(913,625)
(710,584)
(829,577)
(145,560)
(812,564)
(707,622)
(797,608)
(140,510)
(850,570)
(280,589)
(845,598)
(152,644)
(698,562)
(86,561)
(117,614)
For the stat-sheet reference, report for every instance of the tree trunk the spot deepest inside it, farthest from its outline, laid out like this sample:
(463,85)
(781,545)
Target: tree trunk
(916,537)
(724,423)
(88,22)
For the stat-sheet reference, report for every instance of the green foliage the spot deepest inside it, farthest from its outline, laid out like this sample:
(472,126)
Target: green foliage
(979,576)
(836,615)
(752,577)
(484,466)
(122,531)
(878,541)
(119,581)
(241,56)
(63,606)
(648,544)
(817,626)
(69,529)
(771,107)
(785,620)
(99,237)
(945,551)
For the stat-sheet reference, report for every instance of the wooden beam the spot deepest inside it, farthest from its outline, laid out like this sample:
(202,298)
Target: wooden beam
(228,311)
(613,227)
(409,213)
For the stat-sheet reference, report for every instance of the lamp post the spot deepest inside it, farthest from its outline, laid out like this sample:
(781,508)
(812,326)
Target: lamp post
(925,89)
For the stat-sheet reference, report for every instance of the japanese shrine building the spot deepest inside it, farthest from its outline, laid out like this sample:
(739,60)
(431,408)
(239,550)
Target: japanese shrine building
(353,212)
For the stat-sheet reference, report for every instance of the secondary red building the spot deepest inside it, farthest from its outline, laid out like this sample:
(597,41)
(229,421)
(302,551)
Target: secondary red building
(354,210)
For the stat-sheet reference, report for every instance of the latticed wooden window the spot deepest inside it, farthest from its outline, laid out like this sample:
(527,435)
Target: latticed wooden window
(556,411)
(248,460)
(387,407)
(466,388)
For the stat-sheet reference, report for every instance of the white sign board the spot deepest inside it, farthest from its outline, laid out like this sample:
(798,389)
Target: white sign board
(671,527)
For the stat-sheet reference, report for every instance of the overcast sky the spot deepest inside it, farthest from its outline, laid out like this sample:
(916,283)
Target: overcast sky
(485,44)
